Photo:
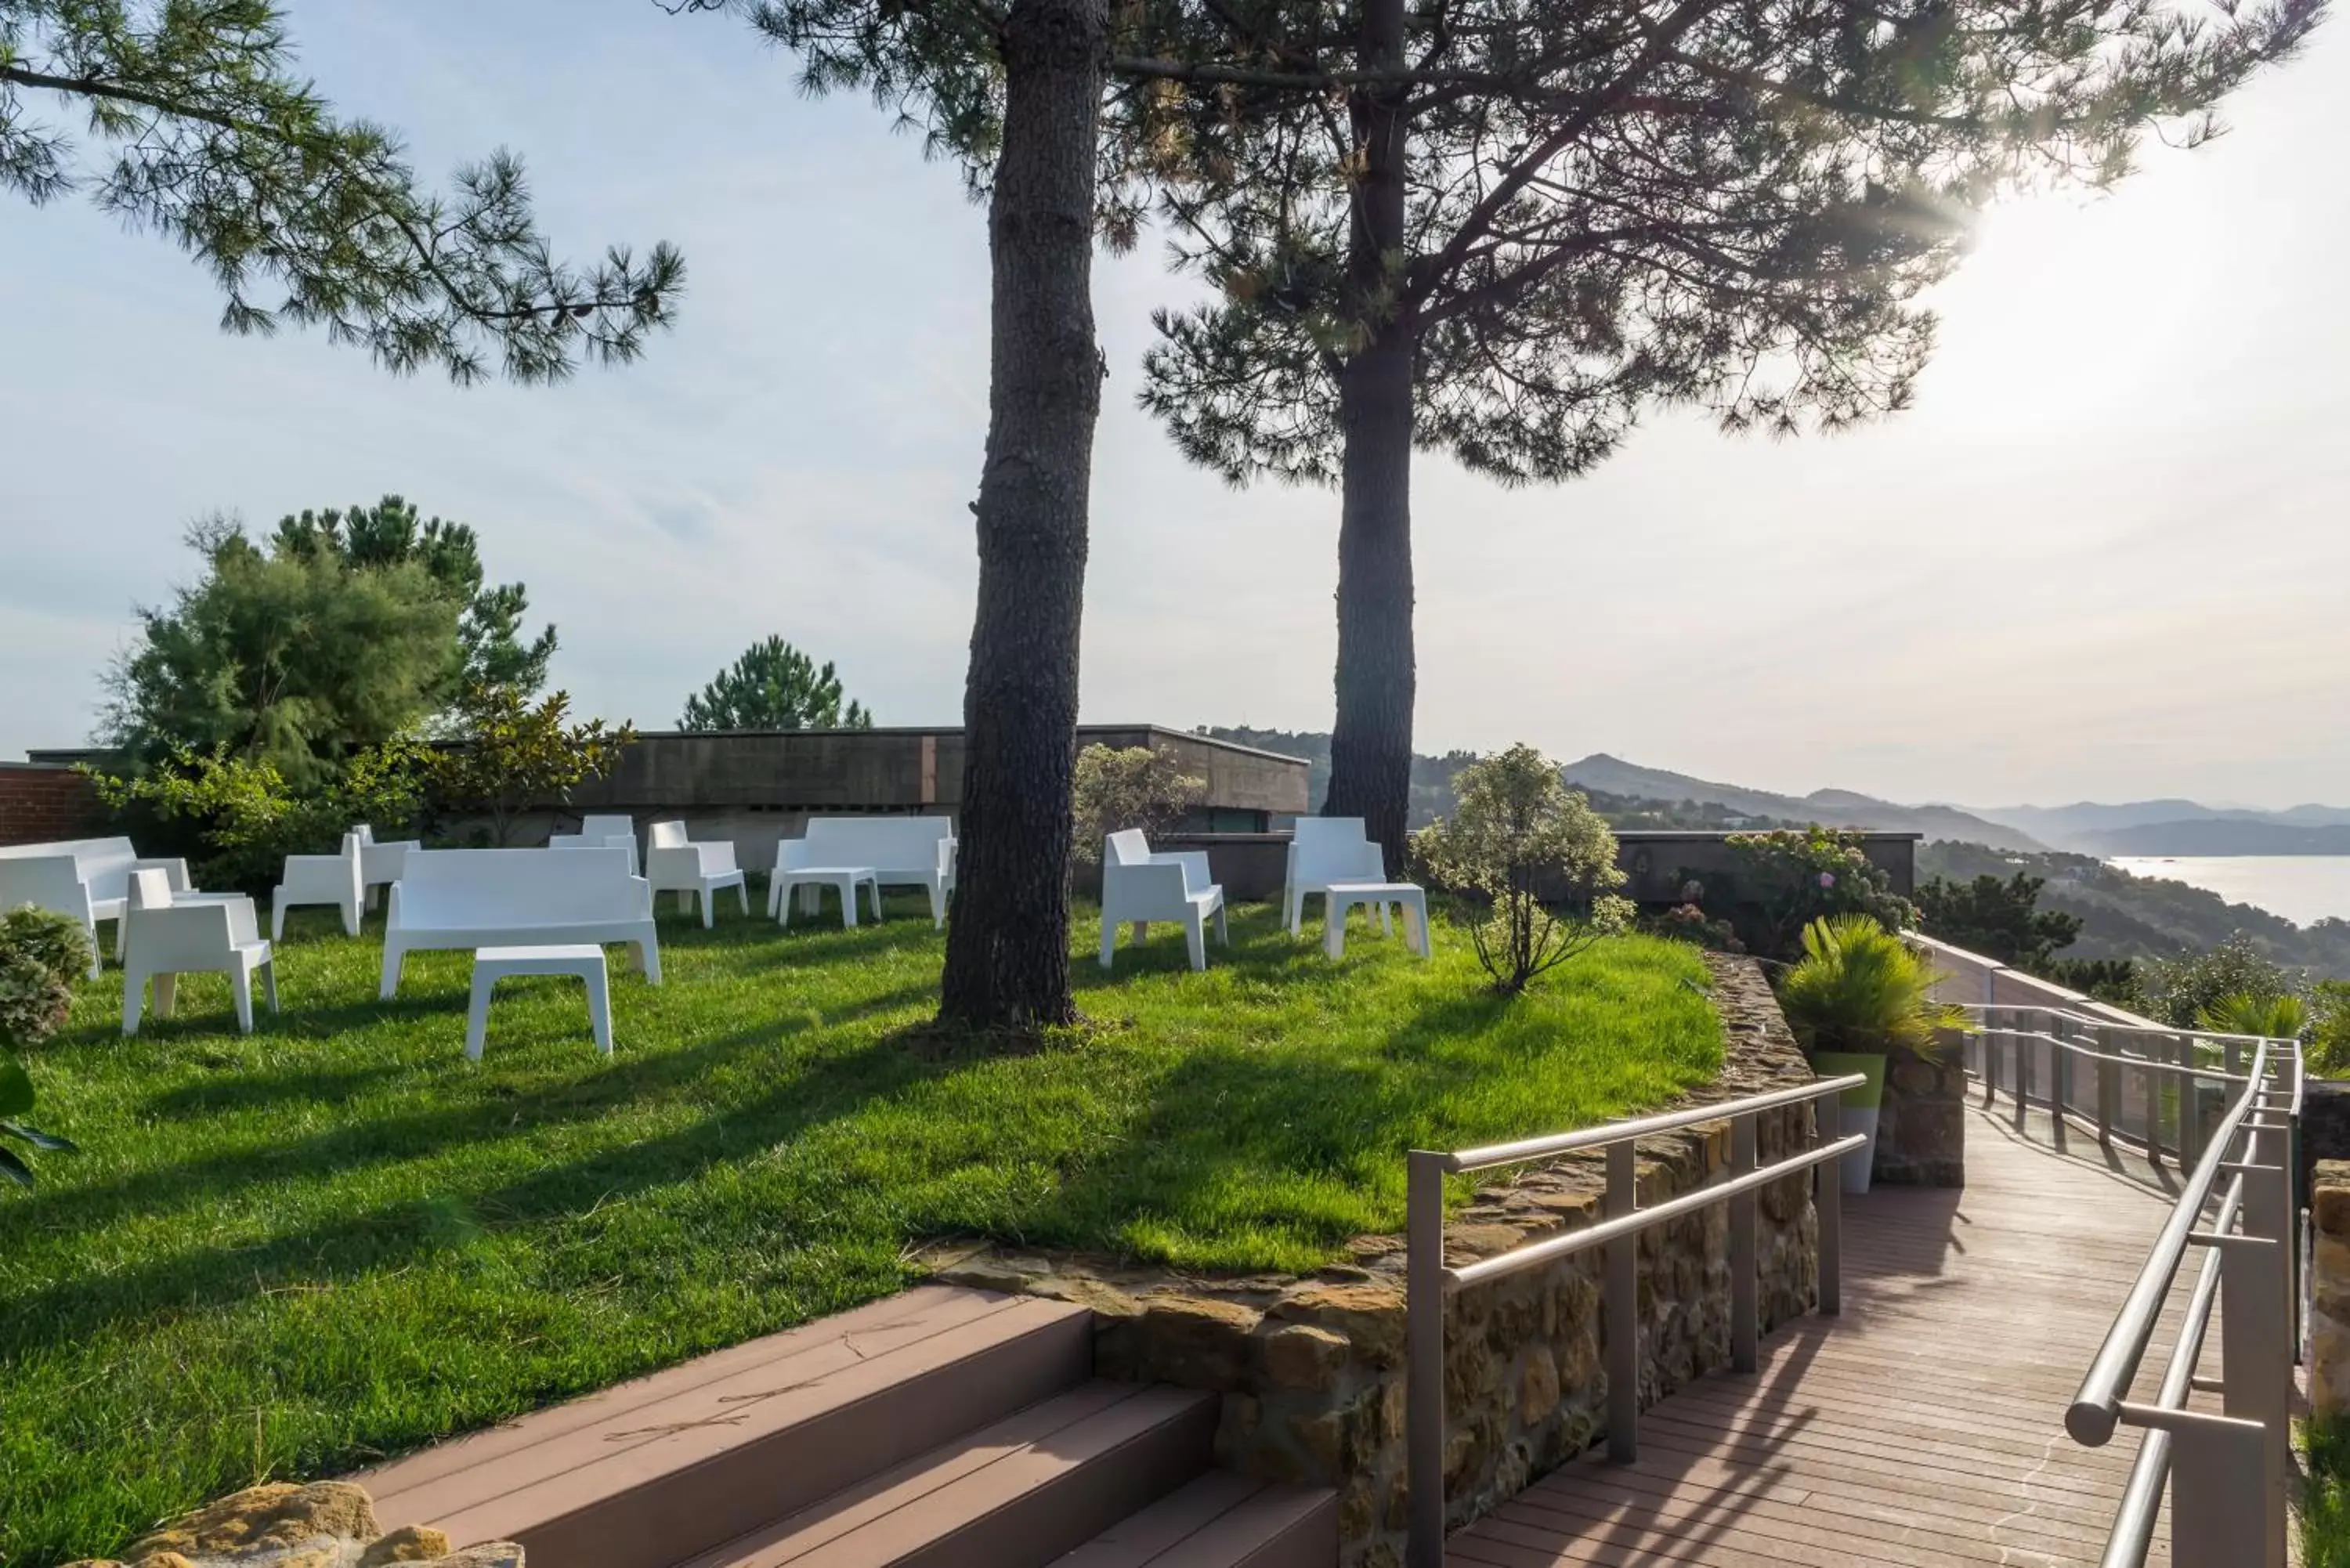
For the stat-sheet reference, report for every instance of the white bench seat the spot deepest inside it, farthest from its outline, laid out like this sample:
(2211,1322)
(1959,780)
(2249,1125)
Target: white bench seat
(899,852)
(468,898)
(86,879)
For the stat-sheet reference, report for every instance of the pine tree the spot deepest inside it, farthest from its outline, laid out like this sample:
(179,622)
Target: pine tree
(1502,228)
(488,629)
(1016,93)
(774,686)
(202,131)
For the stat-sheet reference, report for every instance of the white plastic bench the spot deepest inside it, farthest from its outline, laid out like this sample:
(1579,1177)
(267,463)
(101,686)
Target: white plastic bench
(599,832)
(517,898)
(86,879)
(901,852)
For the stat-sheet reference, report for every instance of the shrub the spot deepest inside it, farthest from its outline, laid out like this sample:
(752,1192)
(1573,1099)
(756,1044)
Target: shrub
(2000,920)
(1134,786)
(515,755)
(1790,877)
(40,955)
(2109,980)
(244,818)
(2241,1012)
(1535,855)
(2181,989)
(1859,987)
(2329,1029)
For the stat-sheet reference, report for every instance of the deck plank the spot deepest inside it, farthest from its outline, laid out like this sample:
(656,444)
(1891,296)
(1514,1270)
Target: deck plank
(1923,1427)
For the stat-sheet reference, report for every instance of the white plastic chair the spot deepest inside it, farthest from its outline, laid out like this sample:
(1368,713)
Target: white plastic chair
(167,939)
(1322,850)
(380,861)
(676,865)
(338,879)
(1141,886)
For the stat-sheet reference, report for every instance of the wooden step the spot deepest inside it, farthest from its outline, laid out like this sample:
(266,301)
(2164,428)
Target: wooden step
(647,1474)
(1017,1494)
(1222,1520)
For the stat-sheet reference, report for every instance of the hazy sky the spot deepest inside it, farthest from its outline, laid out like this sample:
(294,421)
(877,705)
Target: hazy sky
(2104,557)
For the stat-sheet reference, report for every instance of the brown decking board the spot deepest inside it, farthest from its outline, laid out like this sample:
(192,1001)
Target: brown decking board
(1922,1428)
(650,1471)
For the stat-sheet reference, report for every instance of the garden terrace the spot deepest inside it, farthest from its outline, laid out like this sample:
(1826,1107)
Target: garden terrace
(334,1240)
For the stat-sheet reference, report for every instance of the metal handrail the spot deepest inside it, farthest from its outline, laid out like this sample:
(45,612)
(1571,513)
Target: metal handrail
(2096,1408)
(1428,1279)
(2224,1475)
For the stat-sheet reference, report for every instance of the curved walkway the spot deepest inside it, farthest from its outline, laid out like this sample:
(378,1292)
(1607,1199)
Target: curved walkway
(1924,1427)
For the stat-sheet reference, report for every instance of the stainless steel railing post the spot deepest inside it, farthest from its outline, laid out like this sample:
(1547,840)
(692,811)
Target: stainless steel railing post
(2216,1491)
(2109,1087)
(2191,1120)
(1828,1206)
(1745,1286)
(1623,1309)
(1424,1351)
(2060,1075)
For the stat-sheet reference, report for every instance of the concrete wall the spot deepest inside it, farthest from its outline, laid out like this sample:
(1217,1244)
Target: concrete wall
(758,786)
(43,801)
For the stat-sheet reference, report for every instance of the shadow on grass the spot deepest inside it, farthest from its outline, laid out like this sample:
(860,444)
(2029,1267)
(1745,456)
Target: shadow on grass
(395,1235)
(502,1111)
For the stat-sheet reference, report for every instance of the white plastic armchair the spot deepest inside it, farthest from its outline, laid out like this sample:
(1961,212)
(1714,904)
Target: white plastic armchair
(338,879)
(1322,850)
(675,864)
(167,938)
(601,831)
(1141,887)
(380,860)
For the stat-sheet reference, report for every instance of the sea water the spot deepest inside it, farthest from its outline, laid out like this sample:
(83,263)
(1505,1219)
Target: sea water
(2301,888)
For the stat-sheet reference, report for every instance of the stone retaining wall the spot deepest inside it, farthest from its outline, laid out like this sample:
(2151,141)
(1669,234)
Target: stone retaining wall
(1921,1134)
(1311,1370)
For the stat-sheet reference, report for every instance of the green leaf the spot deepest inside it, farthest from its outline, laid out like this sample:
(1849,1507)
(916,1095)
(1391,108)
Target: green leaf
(47,1143)
(13,1169)
(15,1088)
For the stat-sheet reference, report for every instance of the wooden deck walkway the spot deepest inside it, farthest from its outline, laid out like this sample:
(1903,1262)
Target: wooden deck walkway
(1922,1428)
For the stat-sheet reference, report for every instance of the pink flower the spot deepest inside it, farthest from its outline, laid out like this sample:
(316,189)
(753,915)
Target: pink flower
(1827,879)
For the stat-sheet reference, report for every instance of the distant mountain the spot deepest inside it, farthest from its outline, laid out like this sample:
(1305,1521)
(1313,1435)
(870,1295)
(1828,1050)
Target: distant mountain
(2162,826)
(2215,836)
(2146,916)
(1830,807)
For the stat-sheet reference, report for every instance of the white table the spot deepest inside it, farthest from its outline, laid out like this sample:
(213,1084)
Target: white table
(1343,896)
(491,965)
(808,881)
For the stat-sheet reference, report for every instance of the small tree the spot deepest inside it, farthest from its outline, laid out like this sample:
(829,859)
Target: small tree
(774,686)
(40,955)
(1537,855)
(1133,787)
(2000,920)
(515,755)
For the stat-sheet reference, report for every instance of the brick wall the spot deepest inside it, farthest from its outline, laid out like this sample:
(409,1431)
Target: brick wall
(41,801)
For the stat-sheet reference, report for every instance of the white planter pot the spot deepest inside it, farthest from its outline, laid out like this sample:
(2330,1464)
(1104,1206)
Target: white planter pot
(1857,1163)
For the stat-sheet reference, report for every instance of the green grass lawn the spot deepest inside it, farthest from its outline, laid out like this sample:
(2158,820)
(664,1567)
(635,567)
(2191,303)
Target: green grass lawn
(290,1253)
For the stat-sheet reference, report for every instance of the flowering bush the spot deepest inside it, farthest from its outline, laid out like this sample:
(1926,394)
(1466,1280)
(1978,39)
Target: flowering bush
(1134,786)
(1536,855)
(1788,878)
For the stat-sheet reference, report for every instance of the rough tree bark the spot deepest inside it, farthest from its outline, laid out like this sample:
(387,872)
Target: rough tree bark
(1370,739)
(1008,934)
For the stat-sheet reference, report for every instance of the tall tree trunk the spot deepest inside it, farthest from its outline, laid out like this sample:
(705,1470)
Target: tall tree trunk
(1008,933)
(1370,741)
